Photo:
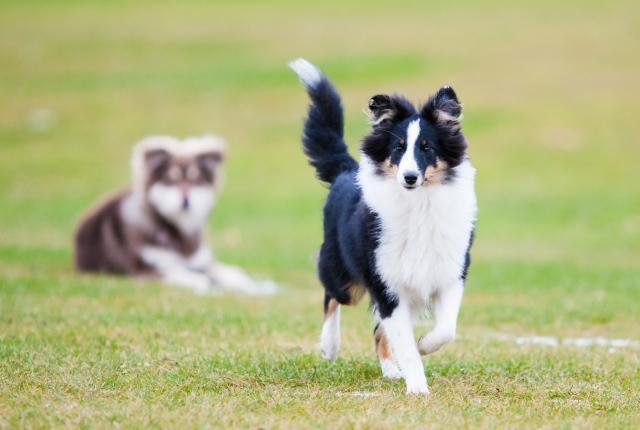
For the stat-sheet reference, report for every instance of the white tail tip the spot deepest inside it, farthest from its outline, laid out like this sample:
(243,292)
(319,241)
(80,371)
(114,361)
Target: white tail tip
(307,72)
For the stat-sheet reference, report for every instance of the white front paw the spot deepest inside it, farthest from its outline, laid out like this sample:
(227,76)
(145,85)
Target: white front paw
(426,346)
(265,287)
(433,341)
(202,290)
(390,369)
(418,388)
(194,281)
(416,383)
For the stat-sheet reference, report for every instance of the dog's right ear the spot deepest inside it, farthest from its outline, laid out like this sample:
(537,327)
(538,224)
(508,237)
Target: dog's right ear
(156,159)
(381,108)
(384,109)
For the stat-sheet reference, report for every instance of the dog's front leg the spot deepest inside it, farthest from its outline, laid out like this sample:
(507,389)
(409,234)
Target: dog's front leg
(233,278)
(173,269)
(446,305)
(180,277)
(398,328)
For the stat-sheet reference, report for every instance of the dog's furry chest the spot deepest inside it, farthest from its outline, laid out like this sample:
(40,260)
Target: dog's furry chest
(424,233)
(158,244)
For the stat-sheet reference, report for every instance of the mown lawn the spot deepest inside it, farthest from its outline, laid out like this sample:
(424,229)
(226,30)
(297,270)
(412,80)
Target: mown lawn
(551,105)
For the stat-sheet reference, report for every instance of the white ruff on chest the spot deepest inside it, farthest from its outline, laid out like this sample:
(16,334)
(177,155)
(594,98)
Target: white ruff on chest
(425,232)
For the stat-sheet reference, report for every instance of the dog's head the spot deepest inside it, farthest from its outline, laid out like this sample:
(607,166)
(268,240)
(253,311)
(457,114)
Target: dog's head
(177,179)
(413,147)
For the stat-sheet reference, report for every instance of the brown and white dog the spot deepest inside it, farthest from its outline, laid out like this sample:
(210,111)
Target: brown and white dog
(157,227)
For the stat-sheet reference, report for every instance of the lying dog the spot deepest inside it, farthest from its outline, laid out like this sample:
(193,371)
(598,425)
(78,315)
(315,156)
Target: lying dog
(157,227)
(399,224)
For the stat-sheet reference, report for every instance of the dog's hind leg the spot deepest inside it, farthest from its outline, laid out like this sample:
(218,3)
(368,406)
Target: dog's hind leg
(334,278)
(330,337)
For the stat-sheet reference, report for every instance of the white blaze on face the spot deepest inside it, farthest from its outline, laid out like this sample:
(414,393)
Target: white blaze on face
(408,165)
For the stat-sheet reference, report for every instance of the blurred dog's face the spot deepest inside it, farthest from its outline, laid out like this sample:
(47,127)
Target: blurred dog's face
(415,148)
(181,185)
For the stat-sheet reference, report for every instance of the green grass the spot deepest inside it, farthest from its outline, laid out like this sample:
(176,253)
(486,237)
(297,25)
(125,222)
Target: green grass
(551,104)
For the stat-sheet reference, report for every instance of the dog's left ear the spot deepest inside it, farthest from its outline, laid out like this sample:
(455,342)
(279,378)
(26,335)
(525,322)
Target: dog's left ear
(443,108)
(210,160)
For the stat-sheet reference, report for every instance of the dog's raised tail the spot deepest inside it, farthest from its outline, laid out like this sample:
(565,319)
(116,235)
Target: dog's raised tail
(322,138)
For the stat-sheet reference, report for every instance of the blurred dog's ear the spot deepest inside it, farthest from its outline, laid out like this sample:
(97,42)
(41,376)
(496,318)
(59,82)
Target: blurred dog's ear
(210,160)
(384,109)
(443,108)
(156,159)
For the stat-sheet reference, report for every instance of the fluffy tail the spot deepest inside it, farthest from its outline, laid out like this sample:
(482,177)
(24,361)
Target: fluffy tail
(322,139)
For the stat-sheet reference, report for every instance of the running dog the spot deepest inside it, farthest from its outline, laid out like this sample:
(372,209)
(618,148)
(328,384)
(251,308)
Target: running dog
(399,224)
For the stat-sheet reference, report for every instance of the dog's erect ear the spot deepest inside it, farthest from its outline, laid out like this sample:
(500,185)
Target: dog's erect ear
(443,108)
(384,108)
(210,160)
(381,108)
(156,159)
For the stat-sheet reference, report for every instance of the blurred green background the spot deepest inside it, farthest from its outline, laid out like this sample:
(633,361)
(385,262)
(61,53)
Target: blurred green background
(550,92)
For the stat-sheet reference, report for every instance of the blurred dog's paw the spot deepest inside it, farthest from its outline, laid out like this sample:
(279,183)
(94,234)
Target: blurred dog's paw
(265,288)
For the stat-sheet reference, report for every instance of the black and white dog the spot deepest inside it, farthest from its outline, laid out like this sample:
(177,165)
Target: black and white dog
(399,224)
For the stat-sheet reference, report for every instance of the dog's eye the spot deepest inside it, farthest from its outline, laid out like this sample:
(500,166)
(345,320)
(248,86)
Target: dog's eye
(424,145)
(401,145)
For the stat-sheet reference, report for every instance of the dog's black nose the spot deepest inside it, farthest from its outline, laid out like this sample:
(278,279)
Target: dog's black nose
(410,179)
